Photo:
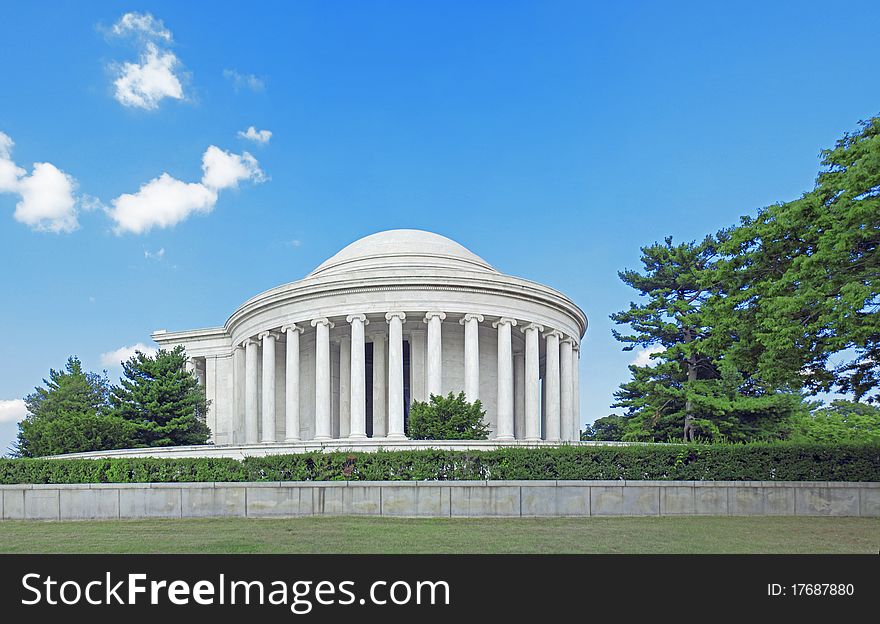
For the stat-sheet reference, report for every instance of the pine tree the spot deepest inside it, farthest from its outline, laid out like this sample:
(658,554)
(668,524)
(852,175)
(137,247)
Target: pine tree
(70,414)
(163,400)
(688,388)
(674,282)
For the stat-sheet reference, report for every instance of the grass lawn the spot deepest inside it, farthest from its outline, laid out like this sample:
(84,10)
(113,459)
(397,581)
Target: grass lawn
(445,535)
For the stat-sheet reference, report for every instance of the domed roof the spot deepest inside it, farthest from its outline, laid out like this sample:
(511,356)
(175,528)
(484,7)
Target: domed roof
(401,249)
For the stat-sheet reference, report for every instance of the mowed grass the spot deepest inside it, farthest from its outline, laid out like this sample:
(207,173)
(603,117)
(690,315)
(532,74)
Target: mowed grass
(447,535)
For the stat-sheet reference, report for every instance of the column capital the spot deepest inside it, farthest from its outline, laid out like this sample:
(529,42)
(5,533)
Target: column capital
(471,317)
(393,315)
(377,336)
(504,320)
(291,327)
(357,317)
(430,315)
(553,333)
(576,346)
(532,326)
(323,321)
(568,339)
(250,341)
(265,334)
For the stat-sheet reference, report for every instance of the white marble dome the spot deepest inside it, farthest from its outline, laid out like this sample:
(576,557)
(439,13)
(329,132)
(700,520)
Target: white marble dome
(335,359)
(402,248)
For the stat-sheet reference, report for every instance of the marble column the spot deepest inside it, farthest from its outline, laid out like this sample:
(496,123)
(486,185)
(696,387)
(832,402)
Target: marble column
(519,395)
(344,386)
(380,386)
(417,348)
(565,390)
(395,375)
(435,353)
(268,410)
(238,374)
(218,436)
(251,393)
(291,384)
(551,384)
(532,383)
(471,324)
(358,423)
(504,427)
(576,389)
(334,386)
(322,378)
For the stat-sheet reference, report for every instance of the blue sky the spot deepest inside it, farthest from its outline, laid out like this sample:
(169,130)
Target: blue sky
(552,138)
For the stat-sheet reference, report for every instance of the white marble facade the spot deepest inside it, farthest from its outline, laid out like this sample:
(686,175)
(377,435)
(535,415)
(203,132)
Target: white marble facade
(390,319)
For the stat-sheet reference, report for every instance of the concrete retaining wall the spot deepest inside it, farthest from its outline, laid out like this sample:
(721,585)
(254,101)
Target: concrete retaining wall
(439,499)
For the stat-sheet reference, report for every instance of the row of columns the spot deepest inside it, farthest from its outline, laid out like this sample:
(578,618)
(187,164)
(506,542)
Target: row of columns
(520,370)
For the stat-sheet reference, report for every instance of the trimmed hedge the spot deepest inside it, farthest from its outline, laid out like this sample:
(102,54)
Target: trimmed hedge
(744,462)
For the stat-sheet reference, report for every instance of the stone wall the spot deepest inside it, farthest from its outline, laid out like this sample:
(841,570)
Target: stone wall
(439,499)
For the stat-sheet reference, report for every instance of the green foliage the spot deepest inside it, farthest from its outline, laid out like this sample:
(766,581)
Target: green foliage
(781,461)
(74,433)
(69,414)
(123,470)
(69,391)
(672,280)
(158,404)
(610,428)
(162,399)
(840,422)
(800,282)
(447,418)
(746,322)
(687,388)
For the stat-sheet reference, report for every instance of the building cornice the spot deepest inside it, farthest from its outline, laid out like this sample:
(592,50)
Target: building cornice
(310,289)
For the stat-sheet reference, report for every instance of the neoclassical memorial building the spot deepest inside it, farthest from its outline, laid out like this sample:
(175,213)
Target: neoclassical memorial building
(337,357)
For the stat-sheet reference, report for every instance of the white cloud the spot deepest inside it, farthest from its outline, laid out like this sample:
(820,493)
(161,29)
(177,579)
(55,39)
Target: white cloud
(157,73)
(47,199)
(143,25)
(6,145)
(122,354)
(9,171)
(258,136)
(166,201)
(155,255)
(89,203)
(225,170)
(146,84)
(161,202)
(643,356)
(244,81)
(12,411)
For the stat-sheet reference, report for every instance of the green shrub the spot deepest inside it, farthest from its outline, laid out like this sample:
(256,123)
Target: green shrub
(841,421)
(447,418)
(699,462)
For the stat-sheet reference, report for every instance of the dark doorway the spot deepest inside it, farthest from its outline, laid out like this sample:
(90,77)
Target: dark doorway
(368,370)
